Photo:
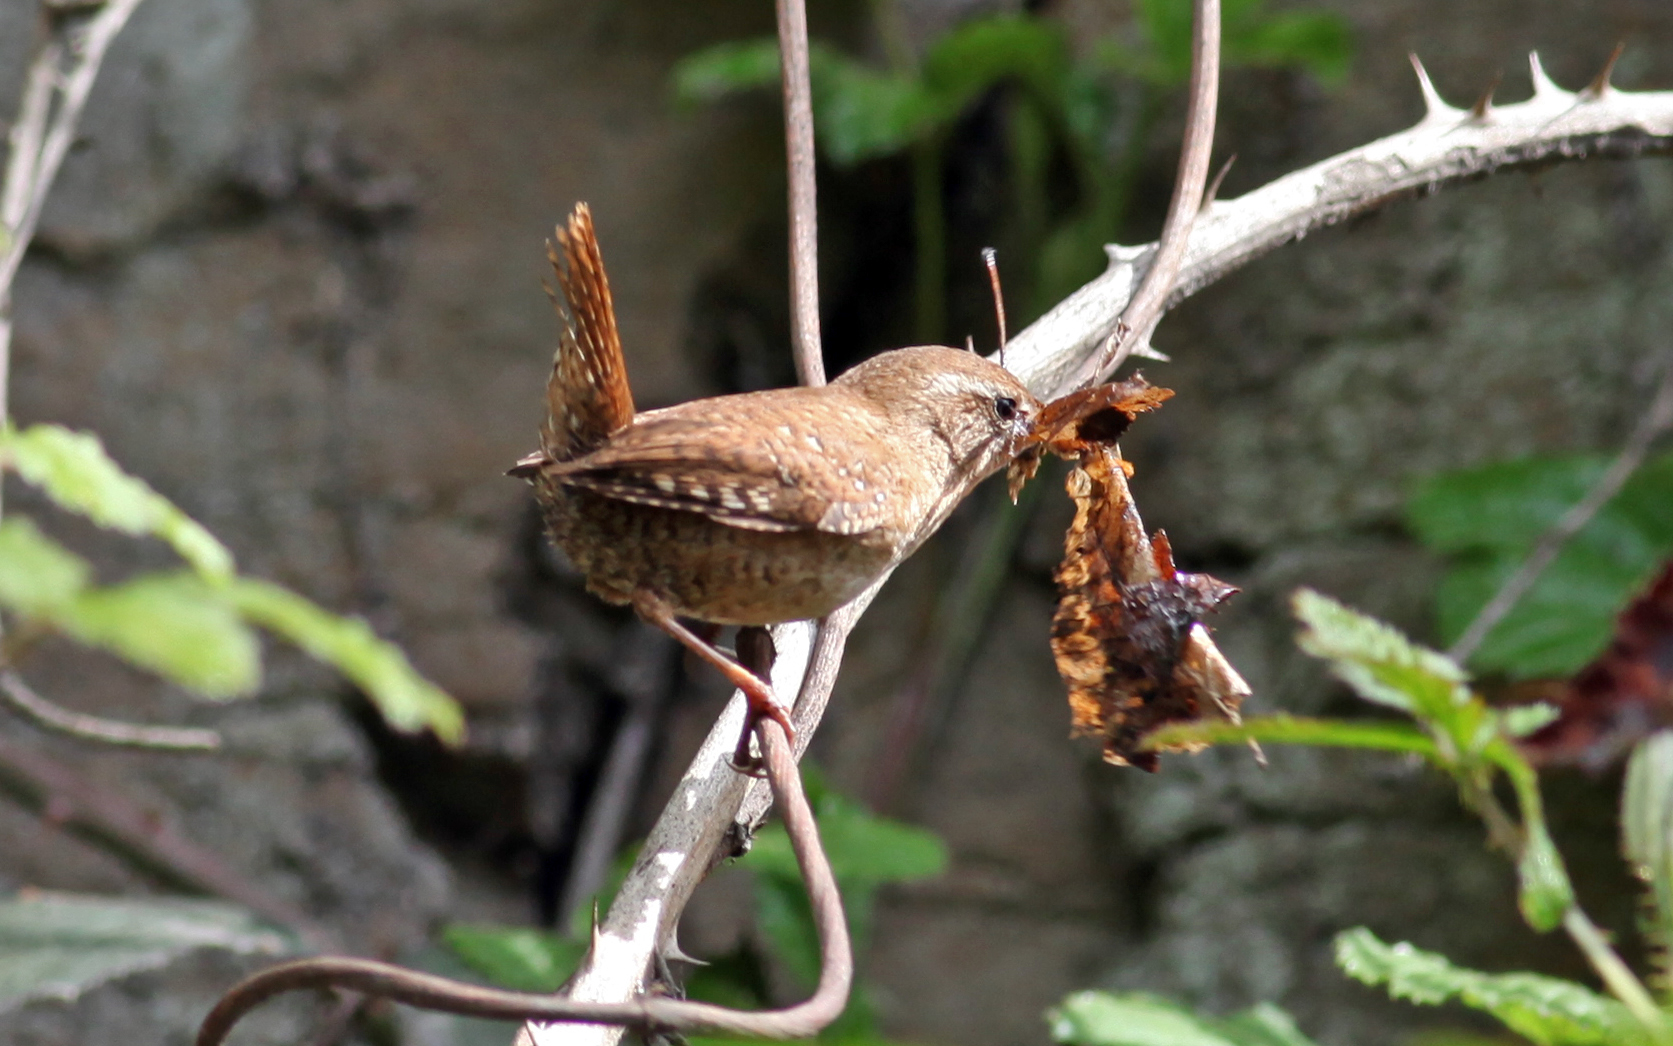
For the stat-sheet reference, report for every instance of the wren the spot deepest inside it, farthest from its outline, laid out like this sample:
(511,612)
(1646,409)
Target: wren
(756,508)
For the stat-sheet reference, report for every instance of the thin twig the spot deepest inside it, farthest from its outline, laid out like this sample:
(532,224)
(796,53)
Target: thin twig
(647,1012)
(23,699)
(1656,421)
(804,215)
(1145,308)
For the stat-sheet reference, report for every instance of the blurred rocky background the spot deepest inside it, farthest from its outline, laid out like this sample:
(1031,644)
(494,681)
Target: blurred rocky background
(293,277)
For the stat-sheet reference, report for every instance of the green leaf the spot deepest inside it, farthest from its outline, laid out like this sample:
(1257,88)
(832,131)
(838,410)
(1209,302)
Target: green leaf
(1264,1025)
(1316,41)
(515,957)
(1319,42)
(1546,1010)
(980,54)
(1647,830)
(1523,720)
(60,946)
(76,473)
(861,112)
(1380,663)
(715,72)
(862,848)
(1095,1018)
(1298,730)
(1486,520)
(175,624)
(38,576)
(406,699)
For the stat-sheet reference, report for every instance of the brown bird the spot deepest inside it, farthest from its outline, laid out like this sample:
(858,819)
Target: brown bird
(762,507)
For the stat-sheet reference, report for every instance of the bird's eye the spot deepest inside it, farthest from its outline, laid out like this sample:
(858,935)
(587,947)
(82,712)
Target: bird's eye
(1005,407)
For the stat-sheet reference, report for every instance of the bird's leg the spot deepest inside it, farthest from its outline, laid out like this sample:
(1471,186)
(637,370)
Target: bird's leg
(756,652)
(758,692)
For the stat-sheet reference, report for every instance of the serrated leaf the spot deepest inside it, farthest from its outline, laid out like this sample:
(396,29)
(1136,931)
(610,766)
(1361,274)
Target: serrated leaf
(406,699)
(515,957)
(175,624)
(1548,1011)
(1377,660)
(73,469)
(1488,519)
(60,946)
(38,576)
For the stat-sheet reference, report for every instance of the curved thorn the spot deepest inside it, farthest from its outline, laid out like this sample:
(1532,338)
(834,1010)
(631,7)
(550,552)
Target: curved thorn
(1600,83)
(1544,86)
(1433,104)
(1213,191)
(1484,105)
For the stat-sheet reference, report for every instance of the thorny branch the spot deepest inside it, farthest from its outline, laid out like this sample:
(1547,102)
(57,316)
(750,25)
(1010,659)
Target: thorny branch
(1656,421)
(1446,147)
(645,1012)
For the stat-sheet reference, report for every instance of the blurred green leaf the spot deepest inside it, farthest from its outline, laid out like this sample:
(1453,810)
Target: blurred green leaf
(1316,41)
(978,55)
(1095,1018)
(1523,720)
(1546,1010)
(1487,520)
(175,624)
(1379,662)
(60,946)
(861,112)
(715,72)
(406,699)
(1298,730)
(1647,832)
(38,576)
(861,847)
(515,957)
(76,473)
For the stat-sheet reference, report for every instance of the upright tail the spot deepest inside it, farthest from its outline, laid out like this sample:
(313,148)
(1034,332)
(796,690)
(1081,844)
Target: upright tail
(587,396)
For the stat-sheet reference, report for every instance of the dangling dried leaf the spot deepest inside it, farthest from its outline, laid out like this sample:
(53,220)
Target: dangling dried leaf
(1127,635)
(1624,695)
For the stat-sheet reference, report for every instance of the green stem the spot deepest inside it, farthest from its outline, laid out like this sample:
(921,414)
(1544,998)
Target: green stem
(1615,975)
(930,241)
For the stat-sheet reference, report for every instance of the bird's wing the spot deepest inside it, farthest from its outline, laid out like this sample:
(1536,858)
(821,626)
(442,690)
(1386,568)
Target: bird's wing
(587,396)
(778,461)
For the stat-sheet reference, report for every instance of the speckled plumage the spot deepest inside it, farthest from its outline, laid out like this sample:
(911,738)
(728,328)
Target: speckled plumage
(762,507)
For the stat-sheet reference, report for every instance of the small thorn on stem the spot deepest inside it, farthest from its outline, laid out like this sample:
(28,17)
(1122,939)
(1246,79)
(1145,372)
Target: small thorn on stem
(1600,83)
(1484,104)
(1543,84)
(990,258)
(1213,189)
(1433,104)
